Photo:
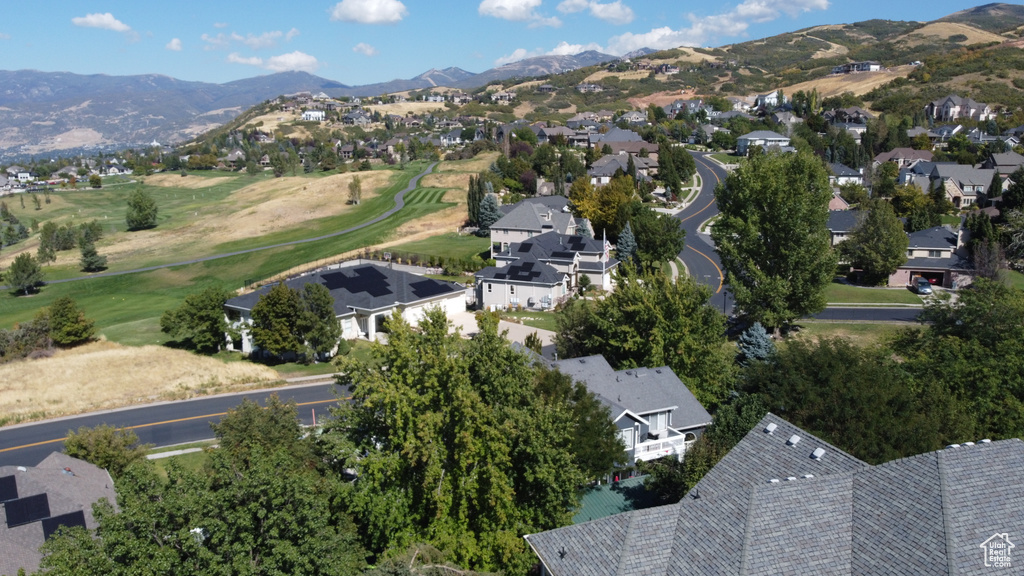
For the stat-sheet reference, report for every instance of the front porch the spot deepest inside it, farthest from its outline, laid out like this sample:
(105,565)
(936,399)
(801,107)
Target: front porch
(675,442)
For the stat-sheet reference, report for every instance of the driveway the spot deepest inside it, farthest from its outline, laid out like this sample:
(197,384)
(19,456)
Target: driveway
(466,323)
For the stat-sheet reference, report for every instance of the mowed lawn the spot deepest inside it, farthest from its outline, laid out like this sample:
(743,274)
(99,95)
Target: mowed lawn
(127,308)
(838,293)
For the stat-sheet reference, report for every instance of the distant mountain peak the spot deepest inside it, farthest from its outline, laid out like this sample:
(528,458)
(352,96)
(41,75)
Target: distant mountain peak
(638,53)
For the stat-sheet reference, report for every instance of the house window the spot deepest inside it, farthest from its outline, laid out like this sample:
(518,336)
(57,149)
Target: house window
(658,421)
(627,438)
(935,254)
(490,287)
(511,289)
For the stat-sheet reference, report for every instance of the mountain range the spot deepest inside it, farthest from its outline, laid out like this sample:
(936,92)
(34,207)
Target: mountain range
(44,112)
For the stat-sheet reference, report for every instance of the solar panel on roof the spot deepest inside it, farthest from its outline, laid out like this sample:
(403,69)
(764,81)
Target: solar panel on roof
(50,525)
(8,489)
(367,280)
(27,510)
(428,288)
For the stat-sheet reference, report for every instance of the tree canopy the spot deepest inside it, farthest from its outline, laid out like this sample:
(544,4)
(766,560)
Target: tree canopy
(772,236)
(142,210)
(68,324)
(24,275)
(276,321)
(877,244)
(198,323)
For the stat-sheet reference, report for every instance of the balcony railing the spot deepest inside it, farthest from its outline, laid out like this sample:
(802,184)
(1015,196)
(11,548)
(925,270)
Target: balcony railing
(653,449)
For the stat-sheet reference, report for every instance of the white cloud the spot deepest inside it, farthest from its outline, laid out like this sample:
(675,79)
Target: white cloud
(369,11)
(215,42)
(174,45)
(517,11)
(265,40)
(106,21)
(294,61)
(703,30)
(612,12)
(220,24)
(291,34)
(4,36)
(364,49)
(517,55)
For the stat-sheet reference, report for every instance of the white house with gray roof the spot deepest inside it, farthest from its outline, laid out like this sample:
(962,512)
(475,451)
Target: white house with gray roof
(526,283)
(784,502)
(532,217)
(576,256)
(364,295)
(763,138)
(937,254)
(654,411)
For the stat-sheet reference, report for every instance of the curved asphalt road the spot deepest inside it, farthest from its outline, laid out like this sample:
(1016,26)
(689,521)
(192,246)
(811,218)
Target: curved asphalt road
(699,253)
(163,424)
(399,204)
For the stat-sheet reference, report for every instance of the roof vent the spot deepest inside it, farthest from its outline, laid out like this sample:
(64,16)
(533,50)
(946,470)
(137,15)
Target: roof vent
(583,360)
(968,443)
(818,453)
(952,446)
(793,440)
(22,469)
(986,441)
(773,481)
(771,428)
(791,478)
(807,476)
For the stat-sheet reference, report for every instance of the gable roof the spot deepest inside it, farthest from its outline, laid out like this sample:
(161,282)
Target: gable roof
(365,287)
(842,221)
(837,515)
(544,214)
(526,270)
(639,390)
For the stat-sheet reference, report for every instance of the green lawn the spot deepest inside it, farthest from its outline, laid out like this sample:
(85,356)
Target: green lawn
(726,158)
(127,308)
(541,320)
(953,219)
(860,333)
(838,293)
(1016,279)
(450,245)
(193,461)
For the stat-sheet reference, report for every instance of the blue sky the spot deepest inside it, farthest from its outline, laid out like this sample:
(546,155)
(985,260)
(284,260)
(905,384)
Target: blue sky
(365,41)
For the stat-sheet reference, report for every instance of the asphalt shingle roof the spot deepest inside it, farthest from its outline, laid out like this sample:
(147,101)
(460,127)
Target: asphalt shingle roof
(544,214)
(525,270)
(367,287)
(923,515)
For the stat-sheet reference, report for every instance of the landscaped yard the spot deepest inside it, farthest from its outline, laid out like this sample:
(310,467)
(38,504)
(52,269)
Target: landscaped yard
(450,245)
(1016,279)
(841,293)
(859,333)
(541,320)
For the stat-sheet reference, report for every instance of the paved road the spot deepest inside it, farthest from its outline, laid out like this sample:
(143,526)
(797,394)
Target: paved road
(399,204)
(162,424)
(699,254)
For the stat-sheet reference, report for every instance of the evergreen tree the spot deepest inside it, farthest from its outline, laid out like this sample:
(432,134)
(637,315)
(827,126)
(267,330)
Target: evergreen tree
(91,261)
(24,275)
(1013,197)
(626,246)
(754,345)
(583,229)
(142,210)
(489,212)
(68,324)
(355,191)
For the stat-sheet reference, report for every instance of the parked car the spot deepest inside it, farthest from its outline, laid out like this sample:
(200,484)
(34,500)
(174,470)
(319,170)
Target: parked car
(922,286)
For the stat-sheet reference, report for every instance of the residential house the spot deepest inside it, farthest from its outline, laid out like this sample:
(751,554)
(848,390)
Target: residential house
(605,167)
(1005,163)
(635,148)
(963,184)
(841,223)
(38,500)
(314,116)
(654,411)
(453,138)
(587,88)
(357,118)
(785,502)
(840,174)
(904,157)
(546,89)
(851,115)
(526,283)
(364,295)
(937,254)
(549,133)
(235,156)
(785,118)
(576,256)
(503,97)
(953,107)
(461,98)
(667,69)
(532,217)
(763,138)
(598,140)
(769,100)
(634,118)
(850,67)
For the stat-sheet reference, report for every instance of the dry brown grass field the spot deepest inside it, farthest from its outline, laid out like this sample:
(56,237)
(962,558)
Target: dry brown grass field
(858,83)
(404,108)
(104,375)
(688,55)
(945,30)
(631,75)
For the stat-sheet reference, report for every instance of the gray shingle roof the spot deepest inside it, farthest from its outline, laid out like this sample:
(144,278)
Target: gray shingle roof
(923,515)
(937,237)
(543,214)
(367,287)
(639,390)
(526,270)
(66,491)
(842,220)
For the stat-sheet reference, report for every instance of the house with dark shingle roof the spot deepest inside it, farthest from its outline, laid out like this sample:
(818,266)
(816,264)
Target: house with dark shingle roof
(654,411)
(526,283)
(763,138)
(364,295)
(576,256)
(841,223)
(36,501)
(937,254)
(784,502)
(532,217)
(963,184)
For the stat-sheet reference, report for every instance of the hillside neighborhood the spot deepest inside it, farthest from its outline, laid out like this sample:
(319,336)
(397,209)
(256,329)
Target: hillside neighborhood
(675,312)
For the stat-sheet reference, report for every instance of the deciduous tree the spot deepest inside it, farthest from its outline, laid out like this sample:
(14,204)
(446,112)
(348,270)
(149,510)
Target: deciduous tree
(319,326)
(772,236)
(877,244)
(113,449)
(198,323)
(142,210)
(24,275)
(68,324)
(276,319)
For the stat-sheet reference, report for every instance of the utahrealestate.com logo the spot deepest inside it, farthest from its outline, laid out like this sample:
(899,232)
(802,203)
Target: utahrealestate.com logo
(997,550)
